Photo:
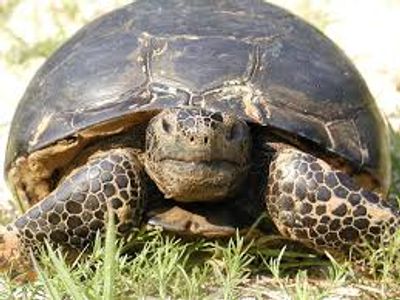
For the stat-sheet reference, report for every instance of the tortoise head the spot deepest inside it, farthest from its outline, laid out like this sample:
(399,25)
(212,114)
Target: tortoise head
(197,155)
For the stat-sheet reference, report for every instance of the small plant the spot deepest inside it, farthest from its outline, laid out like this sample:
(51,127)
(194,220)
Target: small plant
(231,266)
(384,263)
(274,264)
(302,287)
(338,273)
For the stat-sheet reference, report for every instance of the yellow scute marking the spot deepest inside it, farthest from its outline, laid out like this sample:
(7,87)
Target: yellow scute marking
(43,125)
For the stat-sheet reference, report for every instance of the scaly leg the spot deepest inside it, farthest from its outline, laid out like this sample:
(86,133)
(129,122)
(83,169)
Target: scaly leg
(324,208)
(72,214)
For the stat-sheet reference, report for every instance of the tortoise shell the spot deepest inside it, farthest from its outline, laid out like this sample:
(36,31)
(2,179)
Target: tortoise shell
(246,57)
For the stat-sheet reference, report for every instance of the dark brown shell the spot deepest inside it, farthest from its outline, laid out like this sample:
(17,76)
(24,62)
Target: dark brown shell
(246,56)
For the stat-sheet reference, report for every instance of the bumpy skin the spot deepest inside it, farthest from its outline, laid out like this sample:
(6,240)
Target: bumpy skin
(73,213)
(324,208)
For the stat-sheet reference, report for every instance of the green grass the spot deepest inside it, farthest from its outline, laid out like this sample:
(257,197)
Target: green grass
(164,267)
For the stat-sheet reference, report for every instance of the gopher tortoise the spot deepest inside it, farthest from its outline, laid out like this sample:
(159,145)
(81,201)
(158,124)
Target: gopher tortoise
(198,116)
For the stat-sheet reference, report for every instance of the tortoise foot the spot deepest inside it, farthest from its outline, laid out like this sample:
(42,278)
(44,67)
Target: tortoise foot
(76,210)
(324,208)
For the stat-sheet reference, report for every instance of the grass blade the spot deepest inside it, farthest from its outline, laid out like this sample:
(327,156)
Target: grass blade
(109,260)
(73,290)
(51,290)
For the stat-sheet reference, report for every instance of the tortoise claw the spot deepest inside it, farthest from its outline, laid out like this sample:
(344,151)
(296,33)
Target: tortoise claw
(185,222)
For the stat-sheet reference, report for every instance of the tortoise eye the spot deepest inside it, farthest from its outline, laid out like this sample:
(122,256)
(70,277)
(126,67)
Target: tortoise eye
(236,132)
(166,126)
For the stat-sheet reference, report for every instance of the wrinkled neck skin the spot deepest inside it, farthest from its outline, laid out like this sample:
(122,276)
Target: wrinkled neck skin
(194,155)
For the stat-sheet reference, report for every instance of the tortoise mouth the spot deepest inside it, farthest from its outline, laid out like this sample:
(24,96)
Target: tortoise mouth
(196,179)
(200,162)
(199,180)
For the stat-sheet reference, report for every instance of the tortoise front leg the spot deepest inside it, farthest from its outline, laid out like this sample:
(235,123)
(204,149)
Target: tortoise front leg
(324,208)
(72,214)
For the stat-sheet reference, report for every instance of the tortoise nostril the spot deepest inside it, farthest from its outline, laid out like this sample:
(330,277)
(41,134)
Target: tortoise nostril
(217,117)
(206,140)
(191,139)
(236,132)
(166,126)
